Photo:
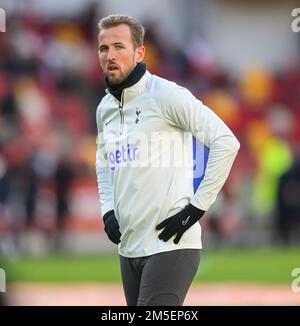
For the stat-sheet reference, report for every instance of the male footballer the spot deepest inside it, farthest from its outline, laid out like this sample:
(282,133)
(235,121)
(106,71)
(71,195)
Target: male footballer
(144,165)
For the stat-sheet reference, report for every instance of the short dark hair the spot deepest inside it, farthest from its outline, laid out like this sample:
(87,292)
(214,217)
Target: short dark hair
(137,30)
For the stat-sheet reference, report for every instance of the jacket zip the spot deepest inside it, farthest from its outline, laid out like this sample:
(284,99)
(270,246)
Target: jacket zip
(121,113)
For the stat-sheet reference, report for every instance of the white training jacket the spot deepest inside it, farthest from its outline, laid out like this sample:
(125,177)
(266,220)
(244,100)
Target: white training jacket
(145,165)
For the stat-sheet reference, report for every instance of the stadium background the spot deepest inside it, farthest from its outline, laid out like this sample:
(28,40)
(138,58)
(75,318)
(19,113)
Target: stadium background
(241,58)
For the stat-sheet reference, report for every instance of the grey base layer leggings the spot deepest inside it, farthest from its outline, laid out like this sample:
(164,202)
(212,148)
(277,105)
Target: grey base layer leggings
(162,279)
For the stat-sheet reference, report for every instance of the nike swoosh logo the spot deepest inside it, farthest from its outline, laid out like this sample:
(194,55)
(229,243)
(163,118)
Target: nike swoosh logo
(185,221)
(108,122)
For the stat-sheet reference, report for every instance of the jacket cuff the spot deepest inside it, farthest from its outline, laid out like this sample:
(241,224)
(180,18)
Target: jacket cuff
(107,215)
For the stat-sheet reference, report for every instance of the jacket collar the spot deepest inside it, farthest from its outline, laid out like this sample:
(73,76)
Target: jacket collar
(133,91)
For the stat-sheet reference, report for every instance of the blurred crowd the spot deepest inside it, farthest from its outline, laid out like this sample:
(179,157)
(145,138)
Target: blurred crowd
(50,86)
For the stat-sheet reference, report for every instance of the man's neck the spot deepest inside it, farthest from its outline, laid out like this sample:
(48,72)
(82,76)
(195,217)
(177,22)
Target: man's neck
(136,74)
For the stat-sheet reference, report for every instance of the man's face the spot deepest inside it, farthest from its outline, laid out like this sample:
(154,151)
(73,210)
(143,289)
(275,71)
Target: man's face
(117,54)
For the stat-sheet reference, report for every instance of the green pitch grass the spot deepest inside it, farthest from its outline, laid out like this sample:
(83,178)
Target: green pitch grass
(270,266)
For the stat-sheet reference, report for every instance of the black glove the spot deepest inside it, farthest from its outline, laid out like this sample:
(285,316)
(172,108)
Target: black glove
(111,227)
(179,223)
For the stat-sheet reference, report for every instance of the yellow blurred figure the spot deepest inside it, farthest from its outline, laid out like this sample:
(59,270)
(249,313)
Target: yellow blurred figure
(273,157)
(274,160)
(257,135)
(68,34)
(256,87)
(152,57)
(225,106)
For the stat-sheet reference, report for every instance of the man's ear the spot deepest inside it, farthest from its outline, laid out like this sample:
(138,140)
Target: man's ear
(140,54)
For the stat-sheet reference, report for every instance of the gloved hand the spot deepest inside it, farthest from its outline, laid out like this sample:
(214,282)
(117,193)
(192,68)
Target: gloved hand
(179,223)
(111,227)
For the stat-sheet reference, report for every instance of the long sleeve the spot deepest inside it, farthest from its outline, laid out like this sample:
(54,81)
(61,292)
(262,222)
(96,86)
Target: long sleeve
(102,170)
(181,109)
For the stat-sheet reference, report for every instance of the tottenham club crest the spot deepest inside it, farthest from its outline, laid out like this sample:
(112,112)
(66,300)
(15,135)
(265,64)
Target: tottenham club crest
(137,120)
